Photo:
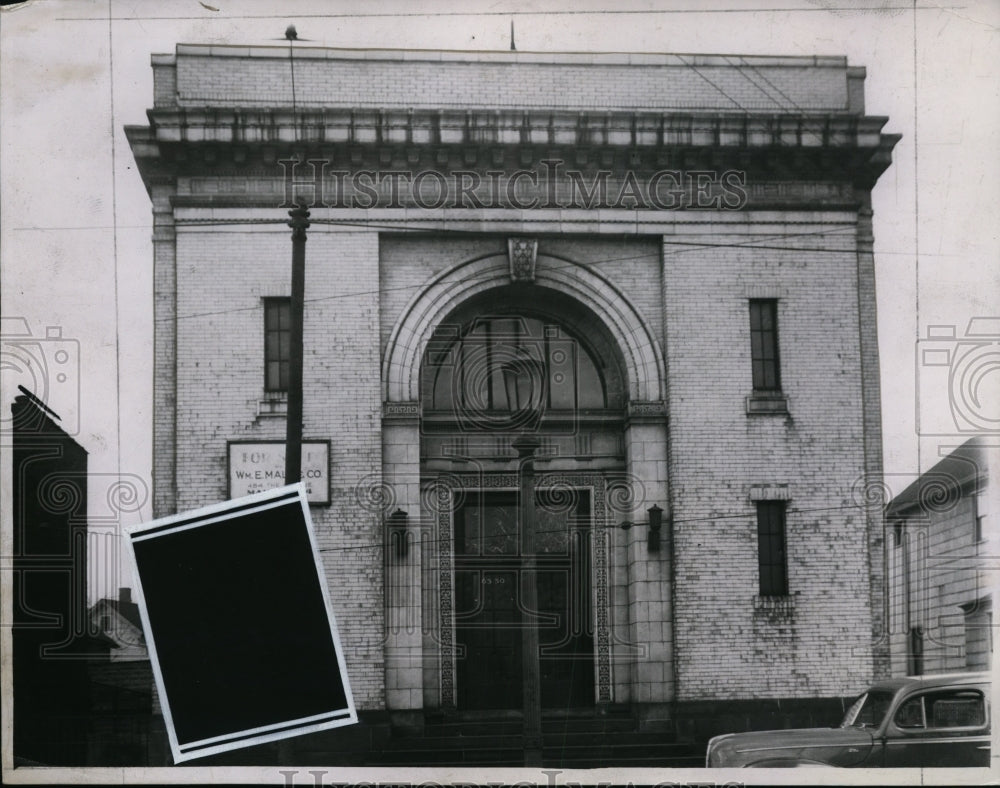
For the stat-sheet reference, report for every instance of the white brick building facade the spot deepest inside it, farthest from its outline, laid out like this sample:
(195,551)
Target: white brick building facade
(769,164)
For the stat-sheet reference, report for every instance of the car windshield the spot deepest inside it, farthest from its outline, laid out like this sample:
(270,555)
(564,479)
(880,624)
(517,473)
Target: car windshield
(867,711)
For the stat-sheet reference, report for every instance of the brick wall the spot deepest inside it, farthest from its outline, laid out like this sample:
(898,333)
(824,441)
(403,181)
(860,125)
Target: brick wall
(223,275)
(725,646)
(729,643)
(261,76)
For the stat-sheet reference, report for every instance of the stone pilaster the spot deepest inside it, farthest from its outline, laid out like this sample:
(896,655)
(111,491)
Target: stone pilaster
(164,351)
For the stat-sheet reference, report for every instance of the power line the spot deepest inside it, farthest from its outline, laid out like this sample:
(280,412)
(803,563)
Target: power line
(610,527)
(682,246)
(746,9)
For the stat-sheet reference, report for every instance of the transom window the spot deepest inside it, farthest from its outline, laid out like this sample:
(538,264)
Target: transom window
(469,367)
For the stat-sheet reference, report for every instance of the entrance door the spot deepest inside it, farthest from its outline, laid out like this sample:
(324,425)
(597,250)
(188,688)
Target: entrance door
(489,617)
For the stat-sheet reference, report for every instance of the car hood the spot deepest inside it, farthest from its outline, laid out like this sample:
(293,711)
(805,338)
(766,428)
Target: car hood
(833,746)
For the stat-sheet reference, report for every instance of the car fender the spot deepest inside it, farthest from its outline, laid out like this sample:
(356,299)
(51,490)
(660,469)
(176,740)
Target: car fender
(787,763)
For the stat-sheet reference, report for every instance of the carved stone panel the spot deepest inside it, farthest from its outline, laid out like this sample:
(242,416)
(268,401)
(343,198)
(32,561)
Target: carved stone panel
(523,253)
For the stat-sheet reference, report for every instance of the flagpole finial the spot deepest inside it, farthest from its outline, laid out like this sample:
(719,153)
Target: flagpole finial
(512,47)
(290,33)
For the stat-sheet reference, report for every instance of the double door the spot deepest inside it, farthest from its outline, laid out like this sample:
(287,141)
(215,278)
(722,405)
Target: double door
(490,618)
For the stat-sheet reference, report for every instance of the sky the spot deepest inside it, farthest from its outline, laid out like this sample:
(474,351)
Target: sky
(75,220)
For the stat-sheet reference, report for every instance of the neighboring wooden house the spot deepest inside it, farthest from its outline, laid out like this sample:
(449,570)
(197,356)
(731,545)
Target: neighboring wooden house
(119,621)
(127,716)
(940,605)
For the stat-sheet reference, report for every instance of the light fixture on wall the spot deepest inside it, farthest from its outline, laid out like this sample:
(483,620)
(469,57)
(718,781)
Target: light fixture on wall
(655,523)
(525,386)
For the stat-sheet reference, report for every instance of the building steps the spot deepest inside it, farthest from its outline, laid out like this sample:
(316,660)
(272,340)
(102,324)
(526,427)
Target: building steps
(569,742)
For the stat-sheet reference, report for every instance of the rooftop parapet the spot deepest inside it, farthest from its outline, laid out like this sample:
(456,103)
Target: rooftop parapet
(248,77)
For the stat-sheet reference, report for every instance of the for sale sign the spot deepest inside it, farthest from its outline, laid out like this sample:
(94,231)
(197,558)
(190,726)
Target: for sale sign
(255,466)
(238,624)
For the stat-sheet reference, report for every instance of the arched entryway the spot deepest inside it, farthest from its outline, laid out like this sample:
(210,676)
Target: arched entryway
(447,458)
(473,406)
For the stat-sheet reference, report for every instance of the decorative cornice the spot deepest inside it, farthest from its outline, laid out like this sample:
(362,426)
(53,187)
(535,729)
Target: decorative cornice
(510,126)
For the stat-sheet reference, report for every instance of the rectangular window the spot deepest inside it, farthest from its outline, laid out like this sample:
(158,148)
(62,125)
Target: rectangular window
(764,344)
(771,559)
(277,342)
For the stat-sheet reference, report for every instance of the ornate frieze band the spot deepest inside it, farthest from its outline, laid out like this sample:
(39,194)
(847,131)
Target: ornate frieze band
(639,410)
(400,411)
(770,492)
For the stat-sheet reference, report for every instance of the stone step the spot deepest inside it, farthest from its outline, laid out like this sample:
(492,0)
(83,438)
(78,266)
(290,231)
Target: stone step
(498,742)
(599,737)
(679,762)
(450,757)
(573,746)
(582,758)
(608,724)
(595,725)
(473,742)
(472,728)
(570,741)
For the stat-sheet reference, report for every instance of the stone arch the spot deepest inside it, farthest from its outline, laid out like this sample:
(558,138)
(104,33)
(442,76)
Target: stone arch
(641,353)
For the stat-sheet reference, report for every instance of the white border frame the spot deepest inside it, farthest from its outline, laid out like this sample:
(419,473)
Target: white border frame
(335,718)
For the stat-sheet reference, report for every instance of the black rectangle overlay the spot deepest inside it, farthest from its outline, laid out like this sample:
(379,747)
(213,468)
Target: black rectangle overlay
(238,619)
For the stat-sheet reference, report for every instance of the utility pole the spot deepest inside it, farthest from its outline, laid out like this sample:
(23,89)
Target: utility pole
(531,679)
(299,222)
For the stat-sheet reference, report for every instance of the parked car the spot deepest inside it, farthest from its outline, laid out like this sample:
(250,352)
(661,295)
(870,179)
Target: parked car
(934,720)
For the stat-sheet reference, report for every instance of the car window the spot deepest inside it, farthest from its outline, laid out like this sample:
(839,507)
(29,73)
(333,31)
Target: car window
(957,708)
(868,710)
(911,713)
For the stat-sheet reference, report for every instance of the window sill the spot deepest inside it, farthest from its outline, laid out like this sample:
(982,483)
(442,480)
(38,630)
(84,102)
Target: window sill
(765,403)
(273,404)
(774,607)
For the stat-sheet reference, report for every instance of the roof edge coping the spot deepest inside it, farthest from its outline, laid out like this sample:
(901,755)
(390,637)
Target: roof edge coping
(503,56)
